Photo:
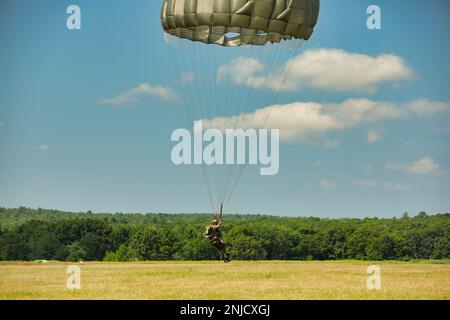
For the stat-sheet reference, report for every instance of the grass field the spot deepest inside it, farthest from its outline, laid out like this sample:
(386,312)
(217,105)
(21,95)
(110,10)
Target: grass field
(237,280)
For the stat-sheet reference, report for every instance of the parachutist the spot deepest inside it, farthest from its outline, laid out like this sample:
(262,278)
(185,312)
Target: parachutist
(214,236)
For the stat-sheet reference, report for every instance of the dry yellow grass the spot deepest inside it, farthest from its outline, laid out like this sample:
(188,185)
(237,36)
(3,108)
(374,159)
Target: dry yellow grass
(237,280)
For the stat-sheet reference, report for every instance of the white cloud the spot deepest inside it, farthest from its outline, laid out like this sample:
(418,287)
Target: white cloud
(325,183)
(372,183)
(396,186)
(425,107)
(374,136)
(319,164)
(325,69)
(43,147)
(133,95)
(310,122)
(423,166)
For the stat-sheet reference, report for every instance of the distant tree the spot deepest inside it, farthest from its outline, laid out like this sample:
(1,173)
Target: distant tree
(120,234)
(441,249)
(422,214)
(76,252)
(381,248)
(247,248)
(122,254)
(28,234)
(198,249)
(95,237)
(152,243)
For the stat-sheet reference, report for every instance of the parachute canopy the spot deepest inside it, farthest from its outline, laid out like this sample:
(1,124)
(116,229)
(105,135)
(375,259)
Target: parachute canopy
(234,23)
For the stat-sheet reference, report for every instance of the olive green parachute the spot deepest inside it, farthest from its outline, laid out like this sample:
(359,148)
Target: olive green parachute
(233,23)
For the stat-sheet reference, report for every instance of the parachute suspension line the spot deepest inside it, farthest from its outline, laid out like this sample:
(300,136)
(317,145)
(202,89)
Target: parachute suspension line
(240,107)
(206,112)
(176,61)
(217,171)
(269,95)
(234,175)
(297,46)
(241,171)
(202,103)
(192,104)
(263,115)
(269,92)
(203,108)
(205,60)
(226,52)
(212,181)
(208,187)
(212,106)
(227,100)
(230,176)
(185,71)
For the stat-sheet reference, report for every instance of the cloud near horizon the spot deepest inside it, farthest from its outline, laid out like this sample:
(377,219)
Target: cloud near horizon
(396,186)
(373,183)
(133,95)
(366,183)
(324,69)
(327,184)
(423,166)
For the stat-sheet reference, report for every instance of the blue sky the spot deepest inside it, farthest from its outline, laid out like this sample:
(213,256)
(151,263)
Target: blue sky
(60,148)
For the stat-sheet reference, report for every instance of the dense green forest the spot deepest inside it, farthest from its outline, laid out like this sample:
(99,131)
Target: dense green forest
(36,234)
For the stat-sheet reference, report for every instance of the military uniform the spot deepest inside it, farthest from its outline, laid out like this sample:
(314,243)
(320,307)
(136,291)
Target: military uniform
(214,236)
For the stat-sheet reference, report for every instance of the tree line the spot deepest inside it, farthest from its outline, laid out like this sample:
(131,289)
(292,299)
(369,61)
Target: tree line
(38,234)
